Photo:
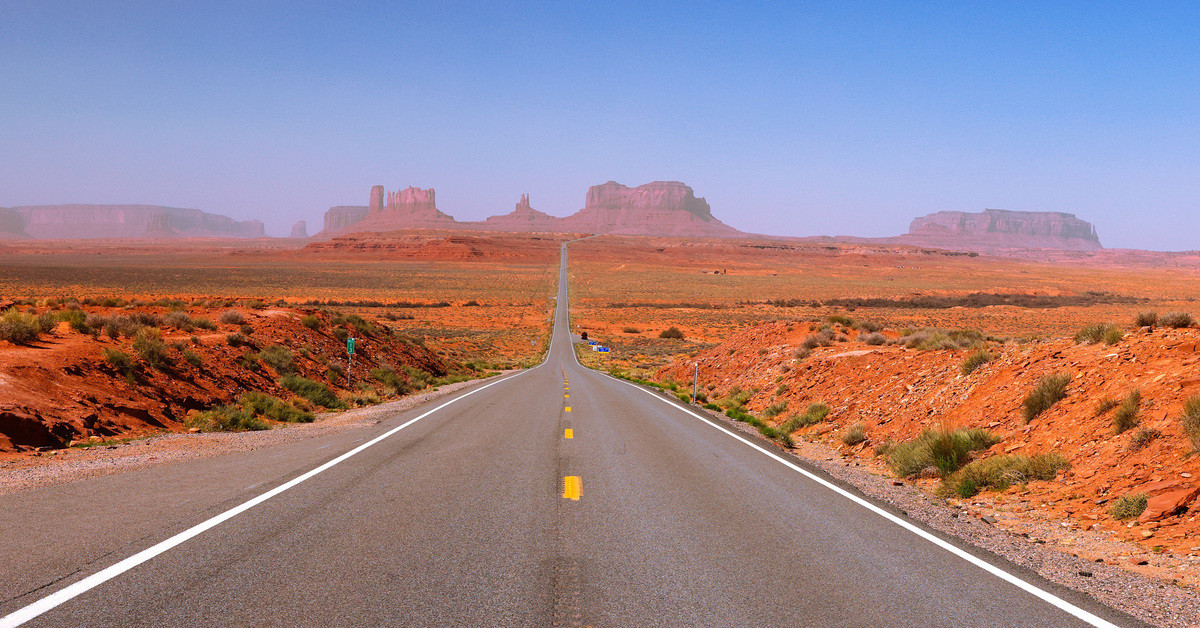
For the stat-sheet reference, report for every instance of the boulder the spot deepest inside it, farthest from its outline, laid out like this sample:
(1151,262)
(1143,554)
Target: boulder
(1168,502)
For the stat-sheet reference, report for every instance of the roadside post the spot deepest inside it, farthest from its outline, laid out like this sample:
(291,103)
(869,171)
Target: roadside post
(349,352)
(695,381)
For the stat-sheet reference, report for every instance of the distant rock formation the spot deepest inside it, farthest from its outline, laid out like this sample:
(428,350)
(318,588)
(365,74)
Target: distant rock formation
(131,221)
(299,230)
(524,218)
(405,209)
(1001,229)
(667,208)
(340,217)
(12,225)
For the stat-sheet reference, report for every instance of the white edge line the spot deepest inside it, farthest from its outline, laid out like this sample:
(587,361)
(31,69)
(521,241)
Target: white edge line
(1016,581)
(22,615)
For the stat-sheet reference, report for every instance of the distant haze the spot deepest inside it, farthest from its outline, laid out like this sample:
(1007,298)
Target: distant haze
(849,120)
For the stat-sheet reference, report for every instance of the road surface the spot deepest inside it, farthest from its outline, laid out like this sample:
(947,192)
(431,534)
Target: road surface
(557,496)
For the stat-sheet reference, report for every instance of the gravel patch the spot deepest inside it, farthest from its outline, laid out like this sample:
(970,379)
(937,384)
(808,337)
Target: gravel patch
(67,465)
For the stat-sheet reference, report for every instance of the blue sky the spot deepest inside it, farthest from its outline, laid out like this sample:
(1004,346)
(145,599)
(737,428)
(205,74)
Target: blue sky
(791,118)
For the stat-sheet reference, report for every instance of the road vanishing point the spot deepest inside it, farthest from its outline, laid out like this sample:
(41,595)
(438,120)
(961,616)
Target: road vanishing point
(556,496)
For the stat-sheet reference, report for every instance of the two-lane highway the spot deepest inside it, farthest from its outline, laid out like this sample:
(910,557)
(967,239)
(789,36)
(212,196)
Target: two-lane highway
(556,496)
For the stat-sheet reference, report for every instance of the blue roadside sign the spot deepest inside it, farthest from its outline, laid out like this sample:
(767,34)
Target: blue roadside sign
(602,349)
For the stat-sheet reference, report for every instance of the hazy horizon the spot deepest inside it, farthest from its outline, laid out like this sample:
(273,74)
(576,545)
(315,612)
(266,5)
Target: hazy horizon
(849,120)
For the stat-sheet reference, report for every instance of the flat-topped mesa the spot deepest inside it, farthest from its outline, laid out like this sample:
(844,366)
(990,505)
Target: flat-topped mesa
(998,228)
(658,208)
(132,221)
(408,208)
(339,217)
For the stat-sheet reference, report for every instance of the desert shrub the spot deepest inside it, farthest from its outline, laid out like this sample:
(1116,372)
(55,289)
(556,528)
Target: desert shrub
(801,353)
(873,338)
(1126,416)
(671,332)
(1146,319)
(315,392)
(418,378)
(148,343)
(1191,420)
(884,448)
(19,328)
(203,323)
(341,333)
(855,435)
(236,340)
(1113,336)
(279,358)
(1142,438)
(119,360)
(813,414)
(1176,320)
(974,361)
(838,319)
(274,408)
(868,327)
(177,319)
(943,449)
(931,339)
(227,418)
(76,319)
(1048,391)
(1001,471)
(1092,334)
(775,409)
(232,317)
(736,397)
(1104,405)
(712,406)
(387,376)
(820,339)
(1128,506)
(246,330)
(256,305)
(631,330)
(192,357)
(310,321)
(148,319)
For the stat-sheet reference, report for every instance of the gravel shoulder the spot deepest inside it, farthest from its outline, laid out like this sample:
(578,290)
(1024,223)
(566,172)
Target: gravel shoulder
(22,472)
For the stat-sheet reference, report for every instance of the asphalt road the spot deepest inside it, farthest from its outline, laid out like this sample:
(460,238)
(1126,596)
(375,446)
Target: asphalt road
(483,512)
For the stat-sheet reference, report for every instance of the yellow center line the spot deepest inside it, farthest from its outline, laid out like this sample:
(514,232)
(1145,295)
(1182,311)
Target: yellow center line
(568,408)
(566,396)
(569,433)
(572,487)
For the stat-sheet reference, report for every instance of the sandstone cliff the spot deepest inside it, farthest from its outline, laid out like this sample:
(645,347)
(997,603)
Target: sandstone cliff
(131,221)
(525,218)
(12,225)
(339,217)
(299,230)
(994,229)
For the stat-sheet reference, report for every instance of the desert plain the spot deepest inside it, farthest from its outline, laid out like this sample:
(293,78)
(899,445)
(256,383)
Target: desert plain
(879,335)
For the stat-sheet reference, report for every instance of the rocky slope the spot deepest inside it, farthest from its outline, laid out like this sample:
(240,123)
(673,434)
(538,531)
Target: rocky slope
(131,221)
(63,387)
(896,392)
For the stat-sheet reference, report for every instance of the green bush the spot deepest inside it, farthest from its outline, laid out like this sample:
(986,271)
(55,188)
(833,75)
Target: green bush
(975,360)
(232,317)
(1001,471)
(203,323)
(236,340)
(1126,416)
(315,392)
(148,343)
(227,418)
(310,321)
(873,339)
(387,376)
(868,327)
(1049,390)
(1146,319)
(279,358)
(838,319)
(932,339)
(19,328)
(943,449)
(775,409)
(1095,333)
(177,319)
(119,360)
(671,332)
(1191,420)
(1128,506)
(1113,336)
(1143,437)
(274,408)
(341,333)
(192,357)
(712,406)
(77,319)
(813,414)
(1176,320)
(854,435)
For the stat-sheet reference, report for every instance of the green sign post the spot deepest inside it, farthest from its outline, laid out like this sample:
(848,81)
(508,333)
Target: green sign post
(350,353)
